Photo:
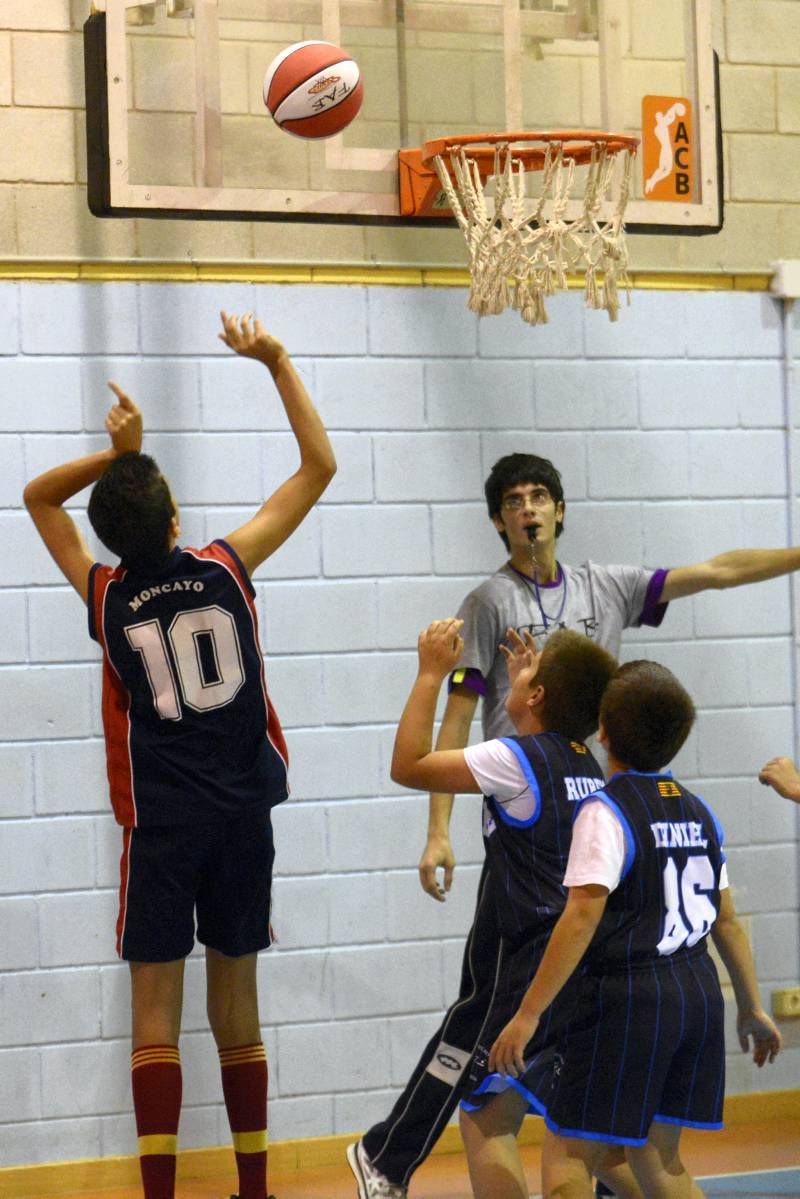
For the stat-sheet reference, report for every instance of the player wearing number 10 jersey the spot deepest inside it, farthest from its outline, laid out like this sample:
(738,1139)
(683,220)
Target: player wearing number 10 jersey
(196,757)
(190,730)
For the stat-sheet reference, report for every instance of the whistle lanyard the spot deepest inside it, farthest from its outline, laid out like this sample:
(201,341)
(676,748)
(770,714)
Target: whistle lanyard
(548,621)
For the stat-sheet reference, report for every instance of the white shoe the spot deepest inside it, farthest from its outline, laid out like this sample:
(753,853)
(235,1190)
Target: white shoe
(371,1183)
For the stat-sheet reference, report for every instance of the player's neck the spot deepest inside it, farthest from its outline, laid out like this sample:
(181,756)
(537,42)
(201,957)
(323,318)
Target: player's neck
(540,565)
(617,767)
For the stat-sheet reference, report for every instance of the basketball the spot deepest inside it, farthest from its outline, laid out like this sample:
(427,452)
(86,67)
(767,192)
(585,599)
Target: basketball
(313,89)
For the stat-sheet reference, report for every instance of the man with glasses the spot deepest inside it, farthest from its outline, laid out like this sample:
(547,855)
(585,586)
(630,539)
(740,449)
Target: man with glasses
(532,593)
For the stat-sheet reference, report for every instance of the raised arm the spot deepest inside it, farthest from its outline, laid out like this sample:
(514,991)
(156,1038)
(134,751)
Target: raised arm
(734,949)
(279,516)
(46,495)
(414,762)
(732,569)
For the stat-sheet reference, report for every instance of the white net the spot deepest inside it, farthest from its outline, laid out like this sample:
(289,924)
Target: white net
(522,248)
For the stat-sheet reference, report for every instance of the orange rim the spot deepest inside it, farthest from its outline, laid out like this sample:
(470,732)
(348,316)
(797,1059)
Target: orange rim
(578,145)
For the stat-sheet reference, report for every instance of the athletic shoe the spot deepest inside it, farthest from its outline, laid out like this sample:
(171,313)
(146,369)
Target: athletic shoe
(371,1183)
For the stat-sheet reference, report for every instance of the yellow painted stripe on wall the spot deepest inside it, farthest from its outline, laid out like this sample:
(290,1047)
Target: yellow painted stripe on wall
(59,1178)
(356,275)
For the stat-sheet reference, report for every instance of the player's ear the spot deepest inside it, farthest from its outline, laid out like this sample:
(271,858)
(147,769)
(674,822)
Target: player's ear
(536,697)
(602,736)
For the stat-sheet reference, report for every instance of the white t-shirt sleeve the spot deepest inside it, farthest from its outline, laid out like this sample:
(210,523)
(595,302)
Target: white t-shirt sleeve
(497,772)
(597,852)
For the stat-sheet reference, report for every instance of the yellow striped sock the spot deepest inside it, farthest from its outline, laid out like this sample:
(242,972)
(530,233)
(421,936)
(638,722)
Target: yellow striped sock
(155,1054)
(241,1054)
(250,1142)
(161,1144)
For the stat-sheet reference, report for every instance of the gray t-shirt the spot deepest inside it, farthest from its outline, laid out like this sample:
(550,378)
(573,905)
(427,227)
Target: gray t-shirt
(599,601)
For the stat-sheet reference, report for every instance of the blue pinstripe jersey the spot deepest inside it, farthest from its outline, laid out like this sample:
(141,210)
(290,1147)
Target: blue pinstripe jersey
(668,896)
(528,858)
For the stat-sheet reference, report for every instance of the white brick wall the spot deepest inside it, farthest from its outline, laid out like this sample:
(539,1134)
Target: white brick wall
(667,429)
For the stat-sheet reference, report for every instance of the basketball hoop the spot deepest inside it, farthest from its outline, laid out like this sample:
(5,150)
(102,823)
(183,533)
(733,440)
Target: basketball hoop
(521,248)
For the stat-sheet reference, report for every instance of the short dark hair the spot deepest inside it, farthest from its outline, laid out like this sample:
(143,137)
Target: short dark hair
(130,510)
(514,469)
(647,714)
(574,672)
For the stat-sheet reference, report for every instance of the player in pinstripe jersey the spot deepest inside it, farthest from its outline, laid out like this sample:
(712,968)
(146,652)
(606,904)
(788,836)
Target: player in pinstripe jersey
(196,757)
(531,786)
(644,1054)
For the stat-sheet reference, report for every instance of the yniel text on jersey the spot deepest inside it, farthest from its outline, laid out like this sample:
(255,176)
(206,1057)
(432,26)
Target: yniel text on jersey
(678,834)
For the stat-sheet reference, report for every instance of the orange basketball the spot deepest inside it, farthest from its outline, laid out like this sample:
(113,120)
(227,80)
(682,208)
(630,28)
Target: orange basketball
(313,89)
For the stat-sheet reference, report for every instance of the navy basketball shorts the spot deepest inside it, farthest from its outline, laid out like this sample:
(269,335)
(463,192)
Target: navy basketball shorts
(645,1044)
(536,1085)
(219,872)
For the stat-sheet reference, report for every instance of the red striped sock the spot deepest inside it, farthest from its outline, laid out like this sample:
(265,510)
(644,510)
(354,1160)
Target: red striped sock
(157,1088)
(244,1085)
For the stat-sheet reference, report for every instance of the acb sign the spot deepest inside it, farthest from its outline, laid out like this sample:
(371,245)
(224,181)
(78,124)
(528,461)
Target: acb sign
(667,148)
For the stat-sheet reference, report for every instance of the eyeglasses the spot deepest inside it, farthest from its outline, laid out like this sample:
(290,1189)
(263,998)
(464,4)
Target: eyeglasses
(537,497)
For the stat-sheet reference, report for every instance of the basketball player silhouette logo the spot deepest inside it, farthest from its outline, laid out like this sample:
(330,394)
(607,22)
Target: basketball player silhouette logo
(661,131)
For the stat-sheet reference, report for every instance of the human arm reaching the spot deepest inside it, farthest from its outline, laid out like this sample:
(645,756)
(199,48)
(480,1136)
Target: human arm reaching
(751,1020)
(46,495)
(414,762)
(783,776)
(732,569)
(279,516)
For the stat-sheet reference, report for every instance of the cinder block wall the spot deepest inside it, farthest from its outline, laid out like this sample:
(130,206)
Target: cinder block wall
(667,428)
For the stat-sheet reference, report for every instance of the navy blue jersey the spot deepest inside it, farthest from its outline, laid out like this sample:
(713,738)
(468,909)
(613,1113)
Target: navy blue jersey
(190,731)
(668,896)
(528,858)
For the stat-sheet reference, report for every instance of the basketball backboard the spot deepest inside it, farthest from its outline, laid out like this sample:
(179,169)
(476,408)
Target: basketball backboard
(177,125)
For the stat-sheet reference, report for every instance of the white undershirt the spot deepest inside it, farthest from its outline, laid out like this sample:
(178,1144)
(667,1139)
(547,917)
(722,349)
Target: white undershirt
(597,852)
(497,771)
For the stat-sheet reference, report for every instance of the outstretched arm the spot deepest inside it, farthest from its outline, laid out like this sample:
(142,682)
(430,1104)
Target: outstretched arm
(414,763)
(279,516)
(733,569)
(570,939)
(783,776)
(46,495)
(734,949)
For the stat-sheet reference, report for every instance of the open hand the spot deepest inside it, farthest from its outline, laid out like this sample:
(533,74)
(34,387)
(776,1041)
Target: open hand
(440,647)
(124,423)
(766,1038)
(523,654)
(251,340)
(506,1056)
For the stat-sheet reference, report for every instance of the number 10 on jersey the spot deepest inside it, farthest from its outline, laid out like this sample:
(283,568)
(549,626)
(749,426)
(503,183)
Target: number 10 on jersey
(201,651)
